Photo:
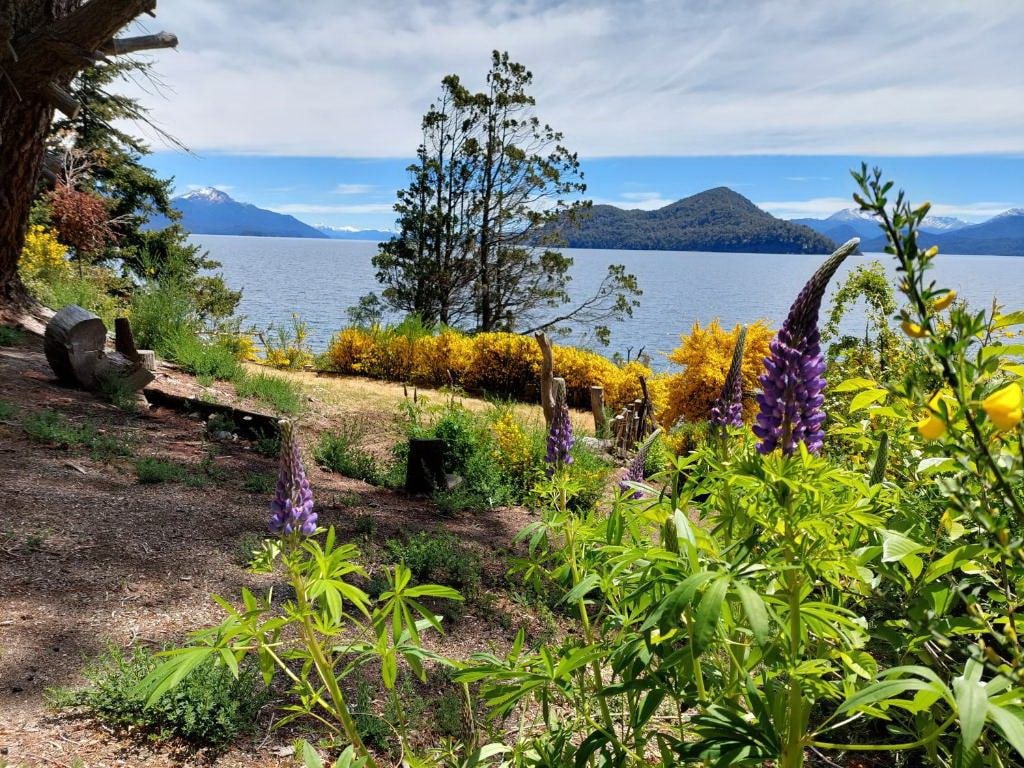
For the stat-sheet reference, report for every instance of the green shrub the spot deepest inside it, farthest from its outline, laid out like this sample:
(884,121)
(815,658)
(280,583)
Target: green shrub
(440,558)
(7,411)
(154,470)
(9,337)
(202,358)
(339,452)
(277,392)
(162,313)
(259,482)
(247,548)
(89,292)
(210,707)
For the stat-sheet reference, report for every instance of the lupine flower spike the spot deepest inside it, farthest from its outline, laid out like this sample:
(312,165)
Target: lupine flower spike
(292,507)
(635,470)
(792,384)
(728,408)
(560,437)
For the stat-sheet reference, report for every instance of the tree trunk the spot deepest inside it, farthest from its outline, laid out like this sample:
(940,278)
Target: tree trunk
(23,129)
(43,45)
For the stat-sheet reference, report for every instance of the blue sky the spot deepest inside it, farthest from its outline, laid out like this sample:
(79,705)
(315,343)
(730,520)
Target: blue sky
(314,107)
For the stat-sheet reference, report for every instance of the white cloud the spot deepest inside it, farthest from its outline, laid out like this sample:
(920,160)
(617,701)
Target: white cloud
(316,208)
(663,77)
(644,201)
(353,189)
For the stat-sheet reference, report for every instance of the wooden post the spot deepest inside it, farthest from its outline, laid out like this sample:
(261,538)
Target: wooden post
(71,336)
(597,407)
(547,402)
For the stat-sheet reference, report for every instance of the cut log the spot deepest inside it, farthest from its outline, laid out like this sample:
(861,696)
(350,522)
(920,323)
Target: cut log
(424,471)
(248,424)
(124,340)
(116,370)
(71,335)
(148,359)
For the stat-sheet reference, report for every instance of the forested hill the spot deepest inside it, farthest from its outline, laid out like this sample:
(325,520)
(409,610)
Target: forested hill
(716,220)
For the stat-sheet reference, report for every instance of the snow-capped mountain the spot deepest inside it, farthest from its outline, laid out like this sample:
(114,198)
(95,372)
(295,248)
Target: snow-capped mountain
(939,224)
(1002,235)
(354,233)
(209,211)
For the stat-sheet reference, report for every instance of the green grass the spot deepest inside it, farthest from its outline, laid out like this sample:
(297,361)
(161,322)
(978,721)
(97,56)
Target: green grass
(259,482)
(151,470)
(280,394)
(9,337)
(52,427)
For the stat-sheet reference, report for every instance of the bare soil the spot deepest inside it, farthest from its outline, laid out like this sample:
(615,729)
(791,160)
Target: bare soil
(90,557)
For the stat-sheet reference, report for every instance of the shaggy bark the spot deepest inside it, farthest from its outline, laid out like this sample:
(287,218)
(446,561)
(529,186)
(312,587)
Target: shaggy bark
(43,45)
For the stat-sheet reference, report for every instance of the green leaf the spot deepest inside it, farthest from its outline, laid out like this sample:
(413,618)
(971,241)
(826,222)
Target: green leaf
(310,756)
(971,703)
(708,612)
(577,593)
(863,399)
(896,546)
(757,613)
(935,464)
(853,385)
(1010,722)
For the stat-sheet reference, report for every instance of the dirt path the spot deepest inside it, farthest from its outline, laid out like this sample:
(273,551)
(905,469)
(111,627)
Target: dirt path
(89,557)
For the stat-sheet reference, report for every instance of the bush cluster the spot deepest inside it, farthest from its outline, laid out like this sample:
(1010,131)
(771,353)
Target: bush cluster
(210,707)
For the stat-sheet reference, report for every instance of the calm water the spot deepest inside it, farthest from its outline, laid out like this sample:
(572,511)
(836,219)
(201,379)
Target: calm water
(321,278)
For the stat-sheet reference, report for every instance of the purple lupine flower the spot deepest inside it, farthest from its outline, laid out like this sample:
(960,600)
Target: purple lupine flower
(792,384)
(728,408)
(635,470)
(292,507)
(560,437)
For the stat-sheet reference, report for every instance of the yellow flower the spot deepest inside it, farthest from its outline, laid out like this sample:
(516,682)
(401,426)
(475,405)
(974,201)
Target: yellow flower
(932,252)
(913,330)
(932,427)
(944,301)
(1004,406)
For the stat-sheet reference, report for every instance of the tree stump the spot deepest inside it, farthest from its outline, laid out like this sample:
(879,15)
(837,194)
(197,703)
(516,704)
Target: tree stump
(74,344)
(72,339)
(424,470)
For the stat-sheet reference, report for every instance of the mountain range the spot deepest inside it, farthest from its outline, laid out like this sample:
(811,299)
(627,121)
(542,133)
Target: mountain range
(718,219)
(209,211)
(1002,235)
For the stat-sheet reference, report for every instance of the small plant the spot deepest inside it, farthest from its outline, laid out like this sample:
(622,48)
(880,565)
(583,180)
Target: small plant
(340,452)
(209,707)
(275,391)
(10,337)
(438,557)
(118,392)
(267,445)
(7,411)
(364,526)
(151,470)
(53,427)
(259,482)
(248,548)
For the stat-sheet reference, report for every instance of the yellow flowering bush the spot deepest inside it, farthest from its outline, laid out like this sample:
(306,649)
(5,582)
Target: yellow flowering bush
(705,356)
(449,352)
(513,450)
(349,350)
(43,257)
(504,363)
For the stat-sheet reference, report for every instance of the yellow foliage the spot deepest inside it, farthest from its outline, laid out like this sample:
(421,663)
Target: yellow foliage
(503,363)
(437,357)
(705,356)
(43,257)
(513,451)
(349,350)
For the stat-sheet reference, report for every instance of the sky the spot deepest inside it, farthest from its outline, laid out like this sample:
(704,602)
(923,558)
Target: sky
(313,108)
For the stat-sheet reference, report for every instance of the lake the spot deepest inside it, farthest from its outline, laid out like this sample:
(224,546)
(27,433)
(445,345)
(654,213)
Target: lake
(320,279)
